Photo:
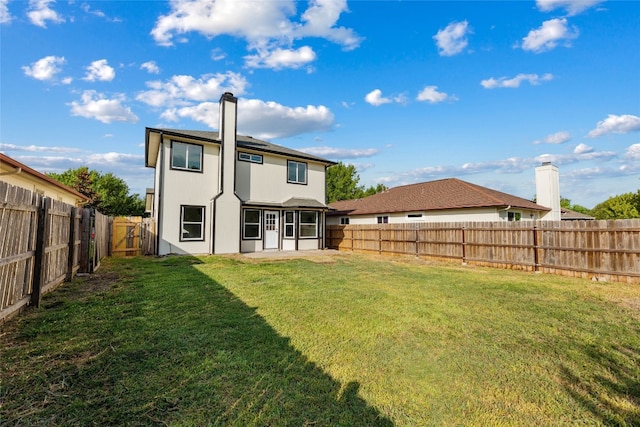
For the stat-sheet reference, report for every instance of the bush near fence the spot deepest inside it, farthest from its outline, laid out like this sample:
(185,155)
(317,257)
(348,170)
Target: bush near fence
(44,242)
(600,250)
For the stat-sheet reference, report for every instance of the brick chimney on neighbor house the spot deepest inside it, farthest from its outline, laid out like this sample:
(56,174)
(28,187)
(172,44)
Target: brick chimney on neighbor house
(548,190)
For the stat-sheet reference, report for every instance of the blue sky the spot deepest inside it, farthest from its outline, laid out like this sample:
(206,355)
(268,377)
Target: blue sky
(408,91)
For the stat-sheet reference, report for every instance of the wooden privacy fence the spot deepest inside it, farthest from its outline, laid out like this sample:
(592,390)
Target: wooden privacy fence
(44,242)
(602,250)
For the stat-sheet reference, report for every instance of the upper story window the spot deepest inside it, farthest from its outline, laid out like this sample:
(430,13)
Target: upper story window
(296,172)
(253,158)
(186,156)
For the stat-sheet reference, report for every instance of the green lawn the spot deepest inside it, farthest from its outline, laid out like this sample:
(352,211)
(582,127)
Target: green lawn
(327,341)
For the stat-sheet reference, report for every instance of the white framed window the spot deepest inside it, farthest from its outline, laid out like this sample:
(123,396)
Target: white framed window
(296,172)
(247,157)
(186,156)
(289,224)
(308,224)
(251,224)
(383,219)
(191,223)
(514,216)
(344,220)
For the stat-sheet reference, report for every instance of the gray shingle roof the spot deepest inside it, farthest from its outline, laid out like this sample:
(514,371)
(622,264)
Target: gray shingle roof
(450,193)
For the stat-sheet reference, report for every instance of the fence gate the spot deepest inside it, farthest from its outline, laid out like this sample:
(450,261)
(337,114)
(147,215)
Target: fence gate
(126,236)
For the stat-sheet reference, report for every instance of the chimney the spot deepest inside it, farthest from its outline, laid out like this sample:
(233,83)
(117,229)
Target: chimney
(227,130)
(548,190)
(227,208)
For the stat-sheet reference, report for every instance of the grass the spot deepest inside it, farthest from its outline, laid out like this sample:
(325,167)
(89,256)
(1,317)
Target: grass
(348,340)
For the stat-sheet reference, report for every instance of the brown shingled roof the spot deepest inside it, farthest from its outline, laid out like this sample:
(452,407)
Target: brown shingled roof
(450,193)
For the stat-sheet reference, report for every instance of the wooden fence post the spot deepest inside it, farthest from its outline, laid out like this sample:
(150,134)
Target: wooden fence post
(39,273)
(464,247)
(85,241)
(536,255)
(72,244)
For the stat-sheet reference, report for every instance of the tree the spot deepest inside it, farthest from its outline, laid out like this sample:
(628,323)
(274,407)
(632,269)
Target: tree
(623,206)
(107,193)
(342,184)
(566,203)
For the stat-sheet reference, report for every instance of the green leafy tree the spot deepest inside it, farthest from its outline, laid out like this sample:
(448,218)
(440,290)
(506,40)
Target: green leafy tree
(566,203)
(623,206)
(107,193)
(342,184)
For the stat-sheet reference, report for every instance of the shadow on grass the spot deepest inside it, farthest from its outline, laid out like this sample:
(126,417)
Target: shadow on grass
(610,389)
(167,346)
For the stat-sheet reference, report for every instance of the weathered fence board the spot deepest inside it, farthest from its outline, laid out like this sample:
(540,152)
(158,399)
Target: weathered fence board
(602,250)
(41,245)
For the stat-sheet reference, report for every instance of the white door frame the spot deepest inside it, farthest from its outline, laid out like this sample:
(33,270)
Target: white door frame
(271,230)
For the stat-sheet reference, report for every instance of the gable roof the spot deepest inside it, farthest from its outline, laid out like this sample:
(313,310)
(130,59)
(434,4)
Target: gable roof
(242,142)
(21,167)
(568,214)
(450,193)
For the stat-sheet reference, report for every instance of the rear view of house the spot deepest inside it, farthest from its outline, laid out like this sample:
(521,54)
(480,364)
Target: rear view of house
(219,192)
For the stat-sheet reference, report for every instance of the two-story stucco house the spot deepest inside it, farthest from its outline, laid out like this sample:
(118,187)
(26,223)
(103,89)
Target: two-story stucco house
(220,193)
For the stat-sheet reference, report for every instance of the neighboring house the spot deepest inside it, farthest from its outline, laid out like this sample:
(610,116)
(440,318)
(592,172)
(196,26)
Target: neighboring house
(569,215)
(219,192)
(15,173)
(449,200)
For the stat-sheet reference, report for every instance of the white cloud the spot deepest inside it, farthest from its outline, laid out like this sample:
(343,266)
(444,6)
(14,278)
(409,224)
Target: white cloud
(616,124)
(582,148)
(267,120)
(281,58)
(94,105)
(555,138)
(514,82)
(151,67)
(87,8)
(38,149)
(218,54)
(340,153)
(5,16)
(45,68)
(376,99)
(453,38)
(40,12)
(431,94)
(266,25)
(182,90)
(100,71)
(633,152)
(549,35)
(573,7)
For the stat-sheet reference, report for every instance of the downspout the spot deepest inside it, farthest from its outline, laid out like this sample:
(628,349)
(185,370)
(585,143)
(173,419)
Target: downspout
(160,192)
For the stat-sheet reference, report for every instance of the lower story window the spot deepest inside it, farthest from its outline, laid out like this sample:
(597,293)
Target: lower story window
(289,224)
(251,224)
(308,224)
(344,220)
(192,222)
(514,216)
(383,219)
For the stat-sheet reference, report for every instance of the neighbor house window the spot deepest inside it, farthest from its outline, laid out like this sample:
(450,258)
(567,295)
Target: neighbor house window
(251,224)
(289,224)
(192,223)
(186,156)
(296,172)
(383,219)
(415,215)
(514,216)
(308,224)
(344,220)
(253,158)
